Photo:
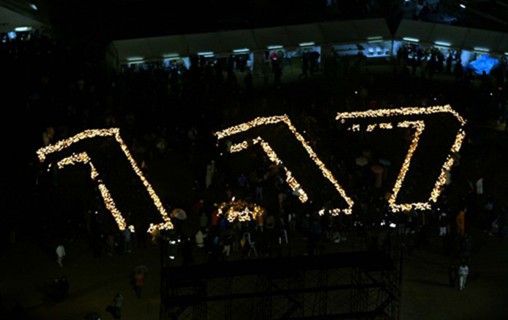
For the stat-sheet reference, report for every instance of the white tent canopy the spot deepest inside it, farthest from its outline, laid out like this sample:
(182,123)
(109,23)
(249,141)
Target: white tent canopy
(276,36)
(204,42)
(482,38)
(503,44)
(9,20)
(457,37)
(325,33)
(237,39)
(304,33)
(169,45)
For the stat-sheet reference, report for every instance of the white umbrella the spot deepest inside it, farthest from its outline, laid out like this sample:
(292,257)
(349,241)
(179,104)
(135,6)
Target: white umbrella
(141,268)
(179,214)
(361,161)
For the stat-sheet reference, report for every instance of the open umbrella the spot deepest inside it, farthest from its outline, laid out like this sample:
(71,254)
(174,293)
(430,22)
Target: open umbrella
(141,268)
(361,161)
(179,214)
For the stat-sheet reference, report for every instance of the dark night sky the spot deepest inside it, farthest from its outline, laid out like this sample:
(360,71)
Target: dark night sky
(107,20)
(110,20)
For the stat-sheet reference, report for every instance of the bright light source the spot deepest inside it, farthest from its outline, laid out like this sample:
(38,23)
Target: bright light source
(132,59)
(171,55)
(392,225)
(374,39)
(480,49)
(463,6)
(22,29)
(442,43)
(274,47)
(306,44)
(243,50)
(205,53)
(33,6)
(411,39)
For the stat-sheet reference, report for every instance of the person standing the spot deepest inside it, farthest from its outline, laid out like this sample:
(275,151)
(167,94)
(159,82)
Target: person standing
(463,274)
(60,254)
(138,282)
(460,221)
(210,172)
(127,240)
(199,238)
(452,275)
(443,224)
(64,287)
(117,306)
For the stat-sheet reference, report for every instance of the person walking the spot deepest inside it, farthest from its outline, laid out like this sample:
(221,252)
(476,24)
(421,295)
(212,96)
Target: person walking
(116,308)
(64,287)
(463,274)
(60,254)
(460,221)
(139,280)
(127,240)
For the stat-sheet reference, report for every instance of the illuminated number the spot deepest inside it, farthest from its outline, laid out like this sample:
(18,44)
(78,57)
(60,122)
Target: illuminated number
(279,139)
(425,117)
(262,131)
(83,157)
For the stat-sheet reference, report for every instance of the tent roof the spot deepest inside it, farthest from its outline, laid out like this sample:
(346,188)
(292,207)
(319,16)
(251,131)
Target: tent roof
(271,36)
(9,20)
(458,37)
(237,39)
(199,42)
(254,39)
(482,38)
(329,32)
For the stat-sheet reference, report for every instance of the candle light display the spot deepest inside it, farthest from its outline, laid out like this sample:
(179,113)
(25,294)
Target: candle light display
(419,126)
(290,179)
(241,210)
(262,121)
(83,157)
(42,154)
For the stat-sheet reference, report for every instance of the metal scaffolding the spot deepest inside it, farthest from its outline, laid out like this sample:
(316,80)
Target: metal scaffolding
(344,285)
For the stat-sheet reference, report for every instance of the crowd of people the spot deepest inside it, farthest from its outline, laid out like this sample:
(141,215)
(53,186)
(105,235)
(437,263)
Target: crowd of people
(61,91)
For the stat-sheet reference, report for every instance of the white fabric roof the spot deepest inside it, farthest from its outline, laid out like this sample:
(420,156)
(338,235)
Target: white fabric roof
(237,39)
(458,37)
(325,33)
(9,20)
(304,33)
(482,38)
(162,46)
(270,37)
(200,42)
(503,44)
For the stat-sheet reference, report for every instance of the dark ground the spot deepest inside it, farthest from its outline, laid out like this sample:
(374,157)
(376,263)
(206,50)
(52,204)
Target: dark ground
(28,265)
